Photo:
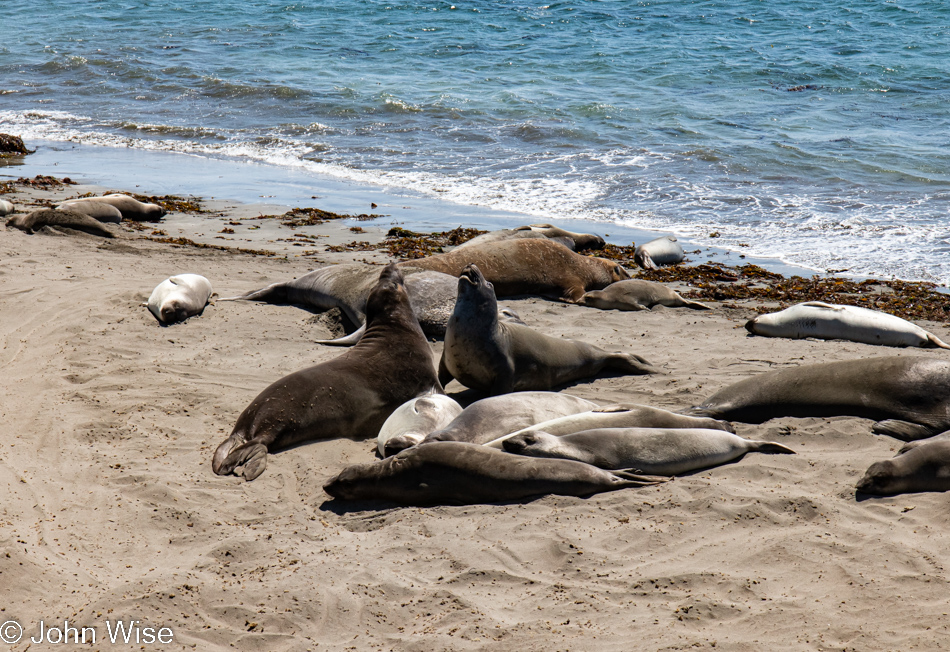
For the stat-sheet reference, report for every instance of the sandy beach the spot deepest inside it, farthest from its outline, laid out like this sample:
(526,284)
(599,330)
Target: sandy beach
(111,509)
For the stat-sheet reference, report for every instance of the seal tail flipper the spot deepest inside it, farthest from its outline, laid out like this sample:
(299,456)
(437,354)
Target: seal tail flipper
(633,479)
(276,293)
(903,430)
(937,342)
(631,363)
(770,447)
(252,456)
(695,305)
(347,340)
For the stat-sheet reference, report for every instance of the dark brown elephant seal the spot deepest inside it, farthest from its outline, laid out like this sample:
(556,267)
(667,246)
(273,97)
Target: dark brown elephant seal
(497,357)
(924,468)
(459,473)
(533,266)
(130,207)
(637,295)
(349,396)
(574,241)
(909,397)
(99,210)
(33,222)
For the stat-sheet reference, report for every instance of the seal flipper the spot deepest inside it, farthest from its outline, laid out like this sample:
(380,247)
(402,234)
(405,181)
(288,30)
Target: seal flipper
(252,456)
(631,478)
(630,363)
(937,342)
(903,430)
(276,293)
(445,376)
(695,305)
(770,447)
(347,340)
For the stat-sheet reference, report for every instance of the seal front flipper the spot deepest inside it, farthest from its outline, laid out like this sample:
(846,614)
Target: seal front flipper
(445,376)
(252,456)
(903,430)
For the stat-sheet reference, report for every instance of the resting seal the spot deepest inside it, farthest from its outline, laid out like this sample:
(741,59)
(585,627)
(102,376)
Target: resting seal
(658,451)
(415,419)
(130,207)
(100,210)
(831,322)
(574,241)
(924,468)
(32,222)
(349,396)
(532,266)
(179,297)
(637,295)
(662,251)
(616,416)
(497,357)
(5,207)
(458,473)
(908,396)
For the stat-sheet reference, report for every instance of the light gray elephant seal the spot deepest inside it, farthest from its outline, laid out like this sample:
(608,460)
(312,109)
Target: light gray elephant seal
(616,416)
(908,396)
(637,295)
(833,322)
(349,396)
(657,451)
(911,445)
(533,266)
(497,357)
(924,468)
(5,207)
(130,207)
(179,297)
(458,473)
(415,419)
(574,241)
(662,251)
(33,222)
(102,211)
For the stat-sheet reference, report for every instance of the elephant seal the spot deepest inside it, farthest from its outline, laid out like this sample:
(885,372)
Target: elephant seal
(911,445)
(924,468)
(496,357)
(909,397)
(102,211)
(33,222)
(617,416)
(532,266)
(662,251)
(459,473)
(5,207)
(349,396)
(637,295)
(179,297)
(832,322)
(130,207)
(657,451)
(415,419)
(573,241)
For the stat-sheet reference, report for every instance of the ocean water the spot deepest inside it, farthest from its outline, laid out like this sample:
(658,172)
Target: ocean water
(817,133)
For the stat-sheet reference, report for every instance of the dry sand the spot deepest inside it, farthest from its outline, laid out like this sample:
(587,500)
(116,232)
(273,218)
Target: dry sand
(111,510)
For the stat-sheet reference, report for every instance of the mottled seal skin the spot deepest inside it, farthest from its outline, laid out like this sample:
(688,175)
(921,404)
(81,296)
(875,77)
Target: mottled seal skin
(616,416)
(459,473)
(574,241)
(102,211)
(924,468)
(657,451)
(908,396)
(349,396)
(662,251)
(833,322)
(637,295)
(32,222)
(415,419)
(179,297)
(130,207)
(5,207)
(492,417)
(497,357)
(533,266)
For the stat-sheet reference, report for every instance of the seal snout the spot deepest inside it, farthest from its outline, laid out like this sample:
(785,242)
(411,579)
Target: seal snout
(472,274)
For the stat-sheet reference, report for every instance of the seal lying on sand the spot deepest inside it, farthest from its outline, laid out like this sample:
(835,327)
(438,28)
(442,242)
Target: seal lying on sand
(923,468)
(5,207)
(616,416)
(908,396)
(458,473)
(574,241)
(349,396)
(130,207)
(179,297)
(831,322)
(497,357)
(532,266)
(415,419)
(100,210)
(662,251)
(32,222)
(658,451)
(637,295)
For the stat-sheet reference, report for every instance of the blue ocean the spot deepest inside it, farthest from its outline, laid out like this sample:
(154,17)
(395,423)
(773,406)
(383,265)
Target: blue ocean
(817,133)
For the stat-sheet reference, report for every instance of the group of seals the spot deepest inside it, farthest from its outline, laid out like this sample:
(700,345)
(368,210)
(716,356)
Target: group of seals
(129,207)
(179,297)
(574,241)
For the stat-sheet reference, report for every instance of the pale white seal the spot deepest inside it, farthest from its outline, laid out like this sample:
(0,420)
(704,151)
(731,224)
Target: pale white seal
(415,419)
(662,251)
(179,297)
(5,207)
